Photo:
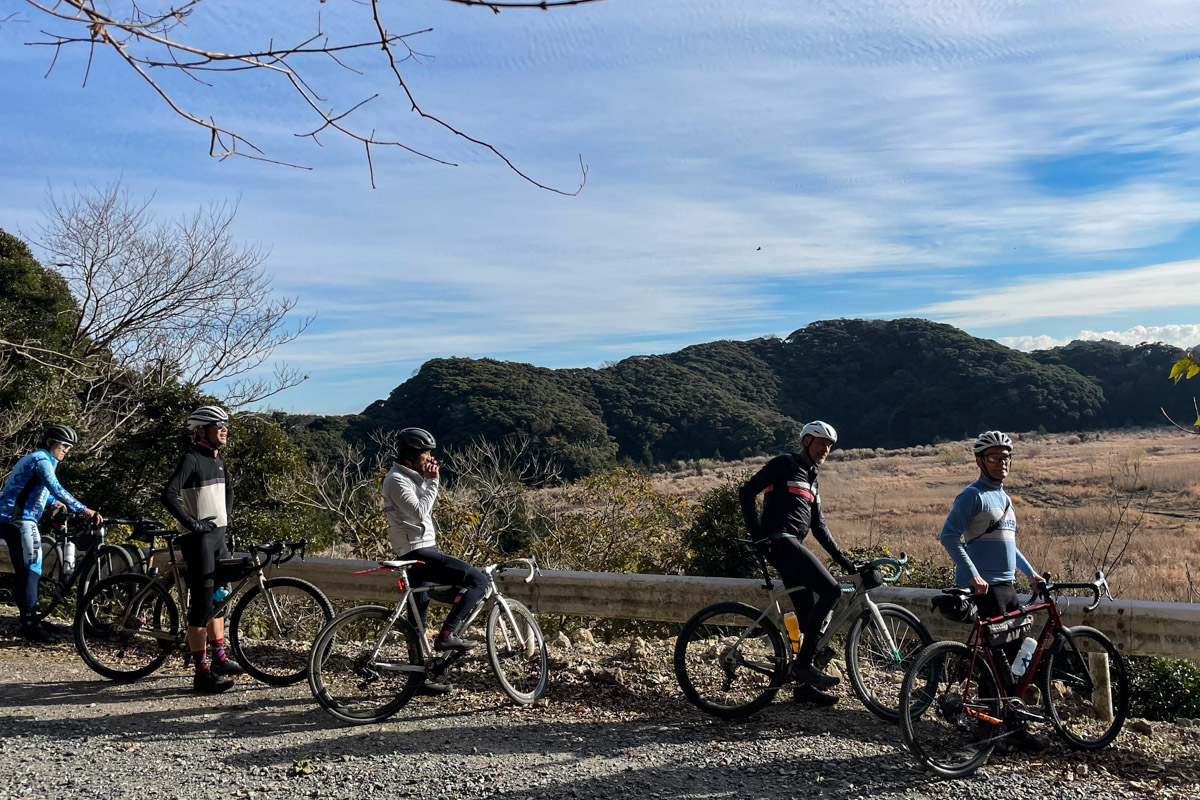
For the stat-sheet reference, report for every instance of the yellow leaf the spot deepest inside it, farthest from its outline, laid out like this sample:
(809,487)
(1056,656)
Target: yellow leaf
(1192,370)
(1197,422)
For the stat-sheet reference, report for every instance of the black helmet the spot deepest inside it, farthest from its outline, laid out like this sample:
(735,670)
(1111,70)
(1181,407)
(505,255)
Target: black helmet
(956,607)
(414,441)
(53,432)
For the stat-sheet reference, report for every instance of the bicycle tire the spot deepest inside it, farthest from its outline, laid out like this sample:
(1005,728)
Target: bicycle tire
(347,681)
(723,644)
(125,643)
(949,729)
(518,654)
(273,654)
(876,672)
(111,559)
(51,589)
(1068,688)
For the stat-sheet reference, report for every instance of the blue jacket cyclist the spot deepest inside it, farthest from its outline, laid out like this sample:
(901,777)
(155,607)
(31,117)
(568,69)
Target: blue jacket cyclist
(22,501)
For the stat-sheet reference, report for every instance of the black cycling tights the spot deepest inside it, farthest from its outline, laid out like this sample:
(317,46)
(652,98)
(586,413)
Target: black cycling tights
(799,567)
(440,568)
(200,553)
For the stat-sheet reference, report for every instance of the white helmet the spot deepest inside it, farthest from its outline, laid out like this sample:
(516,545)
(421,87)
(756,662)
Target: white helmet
(206,415)
(992,439)
(819,429)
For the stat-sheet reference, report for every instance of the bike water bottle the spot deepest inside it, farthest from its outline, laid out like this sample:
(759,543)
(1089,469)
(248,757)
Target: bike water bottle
(219,594)
(1021,662)
(68,565)
(793,628)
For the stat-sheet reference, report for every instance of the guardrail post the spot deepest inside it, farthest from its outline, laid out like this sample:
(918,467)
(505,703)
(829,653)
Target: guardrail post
(1101,686)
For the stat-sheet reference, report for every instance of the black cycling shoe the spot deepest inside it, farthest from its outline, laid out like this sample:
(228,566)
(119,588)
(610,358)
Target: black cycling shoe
(813,677)
(807,694)
(208,682)
(226,666)
(448,641)
(434,688)
(36,634)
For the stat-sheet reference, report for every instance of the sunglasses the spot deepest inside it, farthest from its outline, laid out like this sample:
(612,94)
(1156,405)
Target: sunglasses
(997,459)
(221,426)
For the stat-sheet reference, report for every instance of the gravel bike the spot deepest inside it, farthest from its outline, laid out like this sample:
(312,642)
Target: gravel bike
(368,662)
(959,701)
(732,658)
(128,625)
(72,562)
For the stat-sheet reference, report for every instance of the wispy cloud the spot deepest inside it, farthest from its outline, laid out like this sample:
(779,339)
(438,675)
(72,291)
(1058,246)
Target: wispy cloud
(1185,336)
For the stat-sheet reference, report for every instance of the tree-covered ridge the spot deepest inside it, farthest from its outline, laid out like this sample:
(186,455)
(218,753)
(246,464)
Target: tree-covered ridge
(882,383)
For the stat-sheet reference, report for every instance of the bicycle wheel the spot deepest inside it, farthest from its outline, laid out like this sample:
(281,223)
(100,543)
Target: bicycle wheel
(51,588)
(110,560)
(950,709)
(124,633)
(517,650)
(876,667)
(729,662)
(272,628)
(1086,688)
(362,670)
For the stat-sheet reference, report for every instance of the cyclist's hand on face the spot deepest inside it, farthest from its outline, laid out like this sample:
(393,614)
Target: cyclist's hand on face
(979,585)
(430,470)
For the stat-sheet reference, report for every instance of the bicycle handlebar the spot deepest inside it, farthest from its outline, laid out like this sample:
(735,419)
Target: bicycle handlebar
(530,563)
(1098,588)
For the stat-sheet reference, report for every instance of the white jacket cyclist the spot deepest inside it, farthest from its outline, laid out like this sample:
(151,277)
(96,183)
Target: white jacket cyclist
(408,500)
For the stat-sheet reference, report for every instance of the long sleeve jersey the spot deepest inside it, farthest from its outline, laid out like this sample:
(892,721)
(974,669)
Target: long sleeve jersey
(408,499)
(791,505)
(198,489)
(980,534)
(31,483)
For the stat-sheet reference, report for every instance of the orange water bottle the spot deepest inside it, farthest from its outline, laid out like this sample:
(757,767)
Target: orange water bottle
(793,628)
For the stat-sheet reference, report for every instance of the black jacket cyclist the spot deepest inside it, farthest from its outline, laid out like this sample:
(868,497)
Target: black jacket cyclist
(791,509)
(199,496)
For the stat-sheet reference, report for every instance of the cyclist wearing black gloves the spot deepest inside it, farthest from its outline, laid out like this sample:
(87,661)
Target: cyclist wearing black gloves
(22,502)
(199,497)
(792,508)
(409,492)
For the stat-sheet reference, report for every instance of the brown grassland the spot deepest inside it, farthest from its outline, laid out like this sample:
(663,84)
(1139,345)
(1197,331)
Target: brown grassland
(1127,502)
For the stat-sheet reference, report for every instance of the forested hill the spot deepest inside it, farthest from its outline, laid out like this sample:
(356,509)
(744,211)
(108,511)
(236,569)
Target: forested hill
(881,383)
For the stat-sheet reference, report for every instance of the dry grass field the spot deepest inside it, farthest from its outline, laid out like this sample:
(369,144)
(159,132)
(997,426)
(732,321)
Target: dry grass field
(1127,502)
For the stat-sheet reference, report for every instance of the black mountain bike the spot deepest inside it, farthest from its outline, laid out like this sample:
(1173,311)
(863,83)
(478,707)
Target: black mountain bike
(72,561)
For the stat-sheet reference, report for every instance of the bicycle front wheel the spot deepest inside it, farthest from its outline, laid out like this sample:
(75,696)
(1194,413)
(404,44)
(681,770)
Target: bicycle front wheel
(728,661)
(1086,688)
(110,560)
(126,626)
(877,657)
(517,650)
(273,626)
(361,669)
(950,709)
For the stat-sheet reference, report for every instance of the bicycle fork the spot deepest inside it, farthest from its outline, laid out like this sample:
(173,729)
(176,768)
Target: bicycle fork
(881,626)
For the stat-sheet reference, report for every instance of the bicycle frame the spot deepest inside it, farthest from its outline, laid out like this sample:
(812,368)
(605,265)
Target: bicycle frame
(408,602)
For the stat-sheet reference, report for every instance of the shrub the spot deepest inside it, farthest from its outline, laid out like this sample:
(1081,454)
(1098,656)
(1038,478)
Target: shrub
(1163,688)
(711,540)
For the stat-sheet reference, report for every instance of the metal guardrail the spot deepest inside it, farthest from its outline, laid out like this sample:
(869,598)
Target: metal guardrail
(1138,627)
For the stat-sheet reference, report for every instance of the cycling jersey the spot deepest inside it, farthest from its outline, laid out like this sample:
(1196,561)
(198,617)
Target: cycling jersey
(198,489)
(408,499)
(32,481)
(791,505)
(980,534)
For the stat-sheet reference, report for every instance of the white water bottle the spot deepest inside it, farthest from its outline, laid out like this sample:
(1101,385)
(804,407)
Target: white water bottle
(1021,662)
(68,558)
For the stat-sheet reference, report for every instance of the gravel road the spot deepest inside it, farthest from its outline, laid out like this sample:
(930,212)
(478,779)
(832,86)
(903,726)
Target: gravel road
(608,730)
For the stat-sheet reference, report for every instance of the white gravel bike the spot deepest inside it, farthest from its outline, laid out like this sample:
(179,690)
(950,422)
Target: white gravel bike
(368,662)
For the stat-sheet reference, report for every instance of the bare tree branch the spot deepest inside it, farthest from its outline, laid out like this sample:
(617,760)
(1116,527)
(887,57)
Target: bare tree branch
(159,40)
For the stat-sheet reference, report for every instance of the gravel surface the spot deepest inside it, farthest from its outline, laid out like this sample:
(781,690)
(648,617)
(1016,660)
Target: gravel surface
(613,726)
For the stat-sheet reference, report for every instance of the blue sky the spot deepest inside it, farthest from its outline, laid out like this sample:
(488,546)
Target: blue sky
(1026,171)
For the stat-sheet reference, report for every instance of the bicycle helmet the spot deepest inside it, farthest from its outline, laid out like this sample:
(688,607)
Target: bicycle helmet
(992,439)
(414,441)
(820,429)
(206,415)
(53,432)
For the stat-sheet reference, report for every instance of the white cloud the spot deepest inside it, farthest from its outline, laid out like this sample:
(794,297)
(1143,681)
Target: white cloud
(1088,294)
(1185,336)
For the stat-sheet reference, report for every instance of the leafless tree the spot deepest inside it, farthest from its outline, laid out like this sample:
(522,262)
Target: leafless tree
(174,300)
(156,38)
